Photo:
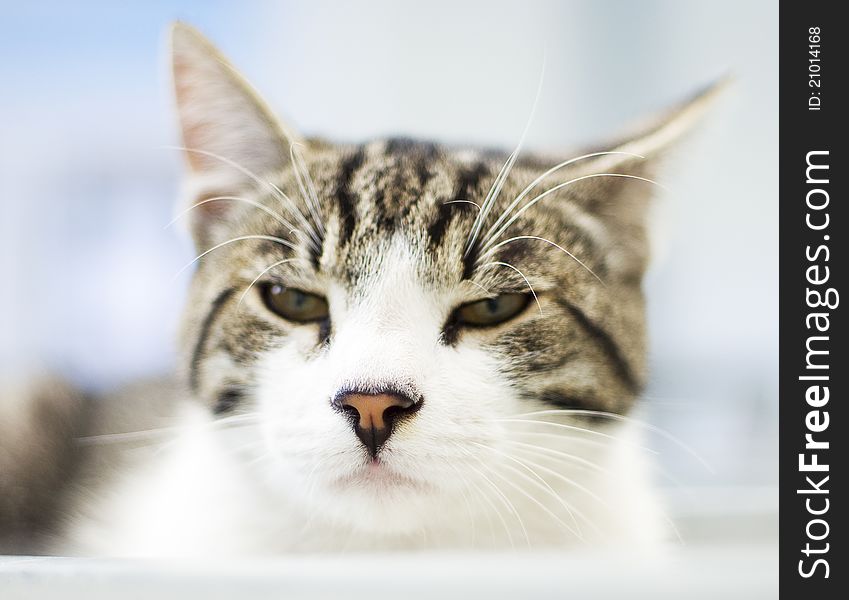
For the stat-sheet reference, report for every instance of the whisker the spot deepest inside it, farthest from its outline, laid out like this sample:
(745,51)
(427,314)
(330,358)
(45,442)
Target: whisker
(546,488)
(541,239)
(530,497)
(569,427)
(487,238)
(572,457)
(506,501)
(475,283)
(617,417)
(530,287)
(146,434)
(464,202)
(546,452)
(542,482)
(258,205)
(578,439)
(560,186)
(470,513)
(495,190)
(498,514)
(276,191)
(563,478)
(258,277)
(497,184)
(269,238)
(307,186)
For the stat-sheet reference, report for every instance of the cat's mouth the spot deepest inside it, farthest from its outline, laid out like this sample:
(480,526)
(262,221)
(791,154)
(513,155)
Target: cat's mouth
(376,473)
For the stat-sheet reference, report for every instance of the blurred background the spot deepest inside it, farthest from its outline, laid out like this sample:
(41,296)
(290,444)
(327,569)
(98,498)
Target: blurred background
(87,183)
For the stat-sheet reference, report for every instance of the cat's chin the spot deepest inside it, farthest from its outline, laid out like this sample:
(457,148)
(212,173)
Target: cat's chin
(376,498)
(377,477)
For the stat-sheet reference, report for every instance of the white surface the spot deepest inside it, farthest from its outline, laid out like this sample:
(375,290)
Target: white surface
(749,573)
(730,551)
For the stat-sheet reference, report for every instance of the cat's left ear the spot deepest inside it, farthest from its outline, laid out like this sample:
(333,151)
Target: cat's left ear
(230,137)
(616,186)
(653,138)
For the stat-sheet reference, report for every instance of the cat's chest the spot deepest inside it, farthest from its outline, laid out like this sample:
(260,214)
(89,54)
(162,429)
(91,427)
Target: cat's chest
(187,497)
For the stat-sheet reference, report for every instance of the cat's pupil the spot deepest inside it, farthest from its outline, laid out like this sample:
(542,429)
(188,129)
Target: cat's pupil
(492,305)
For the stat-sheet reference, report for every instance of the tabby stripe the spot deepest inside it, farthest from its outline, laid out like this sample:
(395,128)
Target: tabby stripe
(467,183)
(345,194)
(437,229)
(205,328)
(606,342)
(561,400)
(422,166)
(228,399)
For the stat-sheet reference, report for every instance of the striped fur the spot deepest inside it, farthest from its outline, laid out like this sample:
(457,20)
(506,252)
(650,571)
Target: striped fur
(587,343)
(396,235)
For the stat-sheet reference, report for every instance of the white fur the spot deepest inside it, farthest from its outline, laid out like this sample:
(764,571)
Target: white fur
(299,479)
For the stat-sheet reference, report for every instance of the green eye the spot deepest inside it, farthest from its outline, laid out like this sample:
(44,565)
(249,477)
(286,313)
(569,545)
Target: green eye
(294,305)
(492,311)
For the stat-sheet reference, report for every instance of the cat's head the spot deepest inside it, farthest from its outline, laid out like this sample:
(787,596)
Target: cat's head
(393,319)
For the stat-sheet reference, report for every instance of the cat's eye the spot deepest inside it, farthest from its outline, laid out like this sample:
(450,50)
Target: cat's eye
(492,311)
(293,304)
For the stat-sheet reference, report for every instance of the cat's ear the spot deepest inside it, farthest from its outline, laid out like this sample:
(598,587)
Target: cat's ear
(617,185)
(230,137)
(654,137)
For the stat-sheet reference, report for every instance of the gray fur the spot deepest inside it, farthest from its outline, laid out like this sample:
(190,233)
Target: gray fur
(585,349)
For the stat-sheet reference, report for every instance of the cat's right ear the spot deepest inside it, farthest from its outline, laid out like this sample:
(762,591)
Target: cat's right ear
(230,138)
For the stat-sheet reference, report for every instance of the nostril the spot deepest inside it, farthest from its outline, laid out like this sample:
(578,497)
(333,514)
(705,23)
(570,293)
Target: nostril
(397,412)
(351,412)
(390,413)
(373,416)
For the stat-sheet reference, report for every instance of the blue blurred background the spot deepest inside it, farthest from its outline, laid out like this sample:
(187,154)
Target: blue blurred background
(88,183)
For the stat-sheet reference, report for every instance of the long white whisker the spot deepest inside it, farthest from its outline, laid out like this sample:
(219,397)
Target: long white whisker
(542,481)
(269,238)
(546,488)
(567,427)
(145,434)
(541,239)
(562,477)
(258,205)
(530,497)
(464,202)
(561,454)
(617,417)
(307,185)
(276,191)
(486,240)
(475,283)
(493,193)
(258,277)
(543,451)
(530,287)
(577,486)
(560,186)
(579,439)
(465,481)
(497,512)
(495,190)
(500,494)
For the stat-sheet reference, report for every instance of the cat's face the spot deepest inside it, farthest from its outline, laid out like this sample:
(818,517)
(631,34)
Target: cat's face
(379,327)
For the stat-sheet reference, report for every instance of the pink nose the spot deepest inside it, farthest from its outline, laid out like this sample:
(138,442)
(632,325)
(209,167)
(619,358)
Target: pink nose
(373,416)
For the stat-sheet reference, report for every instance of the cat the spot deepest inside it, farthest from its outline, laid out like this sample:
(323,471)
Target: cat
(388,345)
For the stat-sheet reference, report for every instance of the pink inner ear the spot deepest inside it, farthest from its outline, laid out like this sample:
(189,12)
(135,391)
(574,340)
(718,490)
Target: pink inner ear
(191,131)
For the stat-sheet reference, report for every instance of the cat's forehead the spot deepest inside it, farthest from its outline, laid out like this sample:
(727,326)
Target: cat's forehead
(399,193)
(403,201)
